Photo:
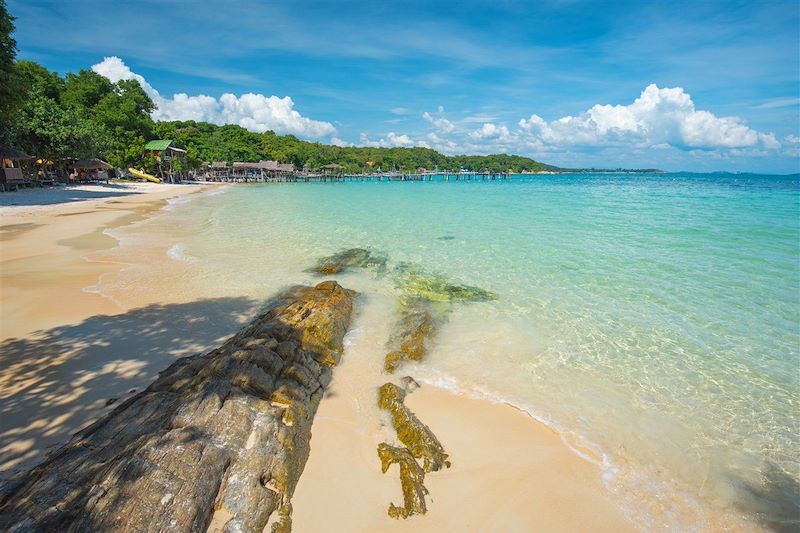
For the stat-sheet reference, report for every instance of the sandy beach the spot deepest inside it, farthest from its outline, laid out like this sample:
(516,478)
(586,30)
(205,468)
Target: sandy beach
(508,473)
(69,355)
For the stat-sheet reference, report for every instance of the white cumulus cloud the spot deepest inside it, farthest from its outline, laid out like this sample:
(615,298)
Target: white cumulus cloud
(441,124)
(336,141)
(254,112)
(657,117)
(492,131)
(392,140)
(660,124)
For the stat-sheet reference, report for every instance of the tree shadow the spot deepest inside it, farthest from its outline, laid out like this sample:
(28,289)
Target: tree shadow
(59,380)
(62,195)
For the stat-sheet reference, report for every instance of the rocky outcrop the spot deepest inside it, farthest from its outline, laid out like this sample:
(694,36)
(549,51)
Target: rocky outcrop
(416,436)
(217,442)
(426,300)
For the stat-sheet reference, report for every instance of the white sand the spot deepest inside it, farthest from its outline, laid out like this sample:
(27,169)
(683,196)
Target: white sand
(66,352)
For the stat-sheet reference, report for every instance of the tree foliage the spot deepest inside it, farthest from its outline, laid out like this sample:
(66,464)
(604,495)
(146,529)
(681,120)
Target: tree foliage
(83,115)
(45,129)
(33,76)
(209,142)
(86,115)
(9,81)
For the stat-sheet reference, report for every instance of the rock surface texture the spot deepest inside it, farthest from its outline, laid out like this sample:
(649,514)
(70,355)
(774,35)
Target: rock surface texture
(217,442)
(348,259)
(419,443)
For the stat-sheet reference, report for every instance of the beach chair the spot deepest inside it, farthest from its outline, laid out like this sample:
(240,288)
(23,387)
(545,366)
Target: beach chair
(48,178)
(12,178)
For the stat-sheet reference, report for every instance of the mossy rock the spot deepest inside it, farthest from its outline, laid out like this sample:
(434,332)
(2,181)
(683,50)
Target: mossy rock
(412,478)
(414,281)
(416,436)
(415,328)
(350,258)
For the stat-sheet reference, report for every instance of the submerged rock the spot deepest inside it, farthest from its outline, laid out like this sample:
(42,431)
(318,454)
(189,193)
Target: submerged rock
(415,282)
(217,442)
(425,301)
(415,328)
(351,258)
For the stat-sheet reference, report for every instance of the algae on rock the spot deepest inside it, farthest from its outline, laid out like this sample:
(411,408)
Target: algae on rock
(412,478)
(417,437)
(416,282)
(419,443)
(425,301)
(350,258)
(415,329)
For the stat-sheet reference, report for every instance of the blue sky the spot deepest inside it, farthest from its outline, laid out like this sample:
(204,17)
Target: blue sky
(674,85)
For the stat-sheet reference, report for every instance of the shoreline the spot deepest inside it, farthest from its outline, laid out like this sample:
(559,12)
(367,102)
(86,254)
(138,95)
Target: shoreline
(509,472)
(345,422)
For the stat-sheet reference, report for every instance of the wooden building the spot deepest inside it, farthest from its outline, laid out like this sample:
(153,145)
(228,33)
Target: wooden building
(11,175)
(166,155)
(332,169)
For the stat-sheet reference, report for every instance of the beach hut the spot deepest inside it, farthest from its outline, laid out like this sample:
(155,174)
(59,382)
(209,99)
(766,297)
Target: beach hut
(167,155)
(89,169)
(332,169)
(218,170)
(11,175)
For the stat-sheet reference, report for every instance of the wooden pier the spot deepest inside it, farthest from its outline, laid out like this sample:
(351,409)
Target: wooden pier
(257,175)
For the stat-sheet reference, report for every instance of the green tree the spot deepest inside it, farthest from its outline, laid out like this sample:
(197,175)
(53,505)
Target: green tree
(10,90)
(124,113)
(83,91)
(44,129)
(34,76)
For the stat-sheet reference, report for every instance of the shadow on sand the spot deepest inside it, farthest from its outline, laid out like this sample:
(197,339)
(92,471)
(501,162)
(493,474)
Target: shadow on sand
(64,194)
(61,379)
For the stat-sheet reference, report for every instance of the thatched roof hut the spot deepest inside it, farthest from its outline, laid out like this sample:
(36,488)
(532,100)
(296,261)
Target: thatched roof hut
(12,154)
(89,164)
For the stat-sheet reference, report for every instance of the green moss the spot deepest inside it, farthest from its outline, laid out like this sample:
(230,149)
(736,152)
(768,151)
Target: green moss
(417,437)
(350,258)
(416,282)
(412,478)
(416,327)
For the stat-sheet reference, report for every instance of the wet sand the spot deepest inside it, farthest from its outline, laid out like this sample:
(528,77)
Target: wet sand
(69,355)
(508,473)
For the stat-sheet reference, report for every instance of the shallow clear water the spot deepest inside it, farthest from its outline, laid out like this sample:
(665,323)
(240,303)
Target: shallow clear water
(652,319)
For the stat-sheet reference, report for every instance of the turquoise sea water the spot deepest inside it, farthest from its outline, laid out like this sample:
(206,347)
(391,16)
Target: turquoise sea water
(653,320)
